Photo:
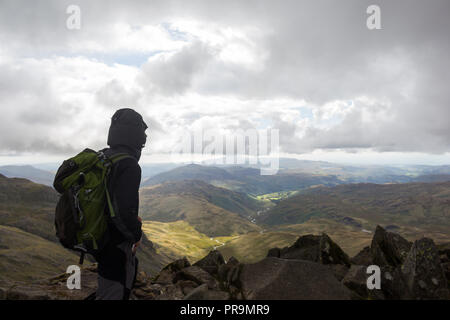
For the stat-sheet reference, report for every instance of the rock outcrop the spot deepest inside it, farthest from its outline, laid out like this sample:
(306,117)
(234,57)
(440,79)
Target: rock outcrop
(289,279)
(408,271)
(388,248)
(320,249)
(314,267)
(423,273)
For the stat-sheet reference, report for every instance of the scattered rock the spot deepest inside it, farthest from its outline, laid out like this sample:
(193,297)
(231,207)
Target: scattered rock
(178,265)
(165,277)
(233,261)
(363,258)
(170,292)
(356,280)
(187,286)
(423,273)
(211,262)
(339,270)
(197,275)
(168,273)
(283,279)
(388,249)
(313,268)
(319,249)
(228,273)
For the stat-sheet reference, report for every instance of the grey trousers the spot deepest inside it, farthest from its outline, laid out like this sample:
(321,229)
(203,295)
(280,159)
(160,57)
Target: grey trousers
(117,281)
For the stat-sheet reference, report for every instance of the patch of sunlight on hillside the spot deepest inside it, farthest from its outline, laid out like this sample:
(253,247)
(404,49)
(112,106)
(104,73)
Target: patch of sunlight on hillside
(178,239)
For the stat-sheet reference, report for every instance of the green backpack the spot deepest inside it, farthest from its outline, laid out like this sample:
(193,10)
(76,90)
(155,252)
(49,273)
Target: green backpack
(80,218)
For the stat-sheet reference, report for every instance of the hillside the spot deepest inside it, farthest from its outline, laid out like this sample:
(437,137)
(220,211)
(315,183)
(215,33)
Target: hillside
(425,206)
(27,234)
(179,239)
(309,267)
(28,172)
(244,179)
(210,210)
(190,171)
(28,206)
(236,202)
(25,256)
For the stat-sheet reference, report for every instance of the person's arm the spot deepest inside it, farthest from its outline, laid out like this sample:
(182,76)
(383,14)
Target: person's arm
(126,202)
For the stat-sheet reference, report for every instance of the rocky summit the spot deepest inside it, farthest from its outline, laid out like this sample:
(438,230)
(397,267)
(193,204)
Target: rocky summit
(313,268)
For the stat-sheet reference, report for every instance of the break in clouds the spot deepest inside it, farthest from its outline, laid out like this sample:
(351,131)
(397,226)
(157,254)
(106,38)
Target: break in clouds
(311,69)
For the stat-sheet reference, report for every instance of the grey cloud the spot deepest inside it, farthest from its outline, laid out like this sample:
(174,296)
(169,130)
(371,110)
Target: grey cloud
(176,74)
(319,51)
(113,94)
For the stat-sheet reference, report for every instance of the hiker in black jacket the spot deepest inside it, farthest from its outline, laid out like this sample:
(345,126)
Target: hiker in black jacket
(117,263)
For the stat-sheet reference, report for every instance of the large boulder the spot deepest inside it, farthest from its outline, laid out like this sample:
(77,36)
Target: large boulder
(168,273)
(356,280)
(388,249)
(227,273)
(211,262)
(198,275)
(286,279)
(363,258)
(170,292)
(320,249)
(423,273)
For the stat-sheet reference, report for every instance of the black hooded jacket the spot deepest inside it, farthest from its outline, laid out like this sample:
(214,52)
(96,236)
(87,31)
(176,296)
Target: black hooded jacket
(123,187)
(126,135)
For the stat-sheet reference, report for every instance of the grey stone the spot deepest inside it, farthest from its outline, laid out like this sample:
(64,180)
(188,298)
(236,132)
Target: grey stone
(285,279)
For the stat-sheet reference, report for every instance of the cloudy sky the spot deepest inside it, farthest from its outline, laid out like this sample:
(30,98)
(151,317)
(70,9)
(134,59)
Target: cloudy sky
(334,89)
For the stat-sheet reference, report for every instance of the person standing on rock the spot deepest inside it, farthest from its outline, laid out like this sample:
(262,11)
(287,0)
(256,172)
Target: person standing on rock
(117,263)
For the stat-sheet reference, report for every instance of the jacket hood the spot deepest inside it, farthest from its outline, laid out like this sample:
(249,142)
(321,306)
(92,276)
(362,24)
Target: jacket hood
(127,129)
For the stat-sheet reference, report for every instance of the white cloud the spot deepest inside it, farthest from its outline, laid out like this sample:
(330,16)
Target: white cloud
(317,75)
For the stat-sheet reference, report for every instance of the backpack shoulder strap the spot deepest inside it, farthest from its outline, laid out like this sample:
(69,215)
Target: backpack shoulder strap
(110,160)
(119,156)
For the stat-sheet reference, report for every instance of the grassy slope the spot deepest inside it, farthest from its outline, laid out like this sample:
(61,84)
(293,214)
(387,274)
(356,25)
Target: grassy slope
(254,246)
(24,256)
(200,206)
(416,205)
(28,208)
(178,239)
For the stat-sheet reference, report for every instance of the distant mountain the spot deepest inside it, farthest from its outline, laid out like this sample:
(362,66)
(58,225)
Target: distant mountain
(28,245)
(190,171)
(152,169)
(433,178)
(425,206)
(243,179)
(210,210)
(236,202)
(28,172)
